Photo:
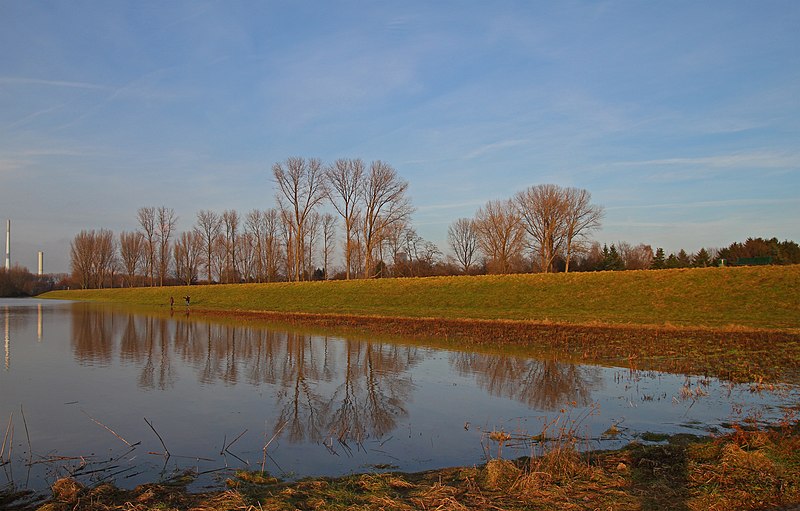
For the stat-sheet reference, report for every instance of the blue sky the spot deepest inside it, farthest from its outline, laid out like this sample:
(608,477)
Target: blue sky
(681,118)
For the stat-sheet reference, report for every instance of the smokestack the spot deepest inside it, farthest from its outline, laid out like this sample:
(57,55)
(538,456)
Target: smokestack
(41,263)
(8,245)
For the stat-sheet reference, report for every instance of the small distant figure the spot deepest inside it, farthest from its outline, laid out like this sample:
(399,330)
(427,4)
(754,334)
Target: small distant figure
(171,302)
(187,300)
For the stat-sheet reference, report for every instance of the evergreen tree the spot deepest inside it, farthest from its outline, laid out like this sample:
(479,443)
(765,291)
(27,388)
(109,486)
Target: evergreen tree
(612,259)
(672,262)
(701,259)
(659,260)
(684,259)
(603,265)
(781,252)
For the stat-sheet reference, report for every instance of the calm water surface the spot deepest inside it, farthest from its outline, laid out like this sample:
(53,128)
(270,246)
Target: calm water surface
(77,382)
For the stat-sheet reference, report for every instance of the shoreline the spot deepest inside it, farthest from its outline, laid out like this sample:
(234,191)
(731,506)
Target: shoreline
(737,354)
(751,469)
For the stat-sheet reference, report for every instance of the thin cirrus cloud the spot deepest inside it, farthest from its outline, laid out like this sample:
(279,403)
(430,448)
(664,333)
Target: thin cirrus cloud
(757,159)
(22,81)
(727,203)
(653,108)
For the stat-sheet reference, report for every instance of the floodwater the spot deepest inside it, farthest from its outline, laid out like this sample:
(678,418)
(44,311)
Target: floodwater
(104,394)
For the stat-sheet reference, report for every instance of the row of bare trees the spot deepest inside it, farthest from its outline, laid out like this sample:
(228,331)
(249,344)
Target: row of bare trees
(295,241)
(527,232)
(372,201)
(93,255)
(298,240)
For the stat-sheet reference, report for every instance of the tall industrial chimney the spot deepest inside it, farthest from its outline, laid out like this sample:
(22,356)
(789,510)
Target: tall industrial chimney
(41,263)
(8,245)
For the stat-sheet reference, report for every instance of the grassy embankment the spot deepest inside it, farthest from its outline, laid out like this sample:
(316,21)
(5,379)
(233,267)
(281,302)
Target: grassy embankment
(752,297)
(724,322)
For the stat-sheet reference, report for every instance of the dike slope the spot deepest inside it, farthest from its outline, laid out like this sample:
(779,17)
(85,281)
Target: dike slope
(717,298)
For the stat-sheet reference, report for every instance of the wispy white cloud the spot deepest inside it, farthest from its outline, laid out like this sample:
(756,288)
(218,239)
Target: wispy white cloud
(495,146)
(708,204)
(13,80)
(451,205)
(10,166)
(30,117)
(141,87)
(48,149)
(753,159)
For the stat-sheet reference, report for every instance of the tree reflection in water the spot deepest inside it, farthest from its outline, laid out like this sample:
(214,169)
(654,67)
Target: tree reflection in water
(326,389)
(92,333)
(541,384)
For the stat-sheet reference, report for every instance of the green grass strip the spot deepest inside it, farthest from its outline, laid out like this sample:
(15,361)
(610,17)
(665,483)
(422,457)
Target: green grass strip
(752,297)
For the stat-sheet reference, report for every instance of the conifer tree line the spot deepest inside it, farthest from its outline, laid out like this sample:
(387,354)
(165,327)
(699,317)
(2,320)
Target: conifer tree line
(356,217)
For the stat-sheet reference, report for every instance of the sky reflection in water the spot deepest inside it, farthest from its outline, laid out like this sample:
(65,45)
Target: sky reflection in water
(329,405)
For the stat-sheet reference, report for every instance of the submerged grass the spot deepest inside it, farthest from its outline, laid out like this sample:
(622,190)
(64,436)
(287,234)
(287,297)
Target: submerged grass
(748,297)
(747,470)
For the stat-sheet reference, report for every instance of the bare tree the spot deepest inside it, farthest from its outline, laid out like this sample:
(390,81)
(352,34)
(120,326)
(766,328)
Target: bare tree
(544,212)
(287,239)
(82,257)
(131,251)
(639,257)
(255,227)
(165,224)
(500,235)
(421,256)
(230,227)
(463,240)
(328,237)
(218,253)
(106,248)
(301,186)
(147,221)
(581,218)
(357,257)
(397,237)
(246,259)
(209,226)
(188,255)
(345,178)
(273,253)
(310,243)
(92,257)
(384,201)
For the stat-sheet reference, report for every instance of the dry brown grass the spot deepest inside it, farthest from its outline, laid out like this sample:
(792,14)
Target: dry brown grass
(747,470)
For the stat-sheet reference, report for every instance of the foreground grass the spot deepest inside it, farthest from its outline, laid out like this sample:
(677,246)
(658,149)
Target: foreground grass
(749,297)
(745,470)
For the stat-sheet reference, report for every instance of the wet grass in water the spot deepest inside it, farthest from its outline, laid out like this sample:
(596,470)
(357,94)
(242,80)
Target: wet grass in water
(749,469)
